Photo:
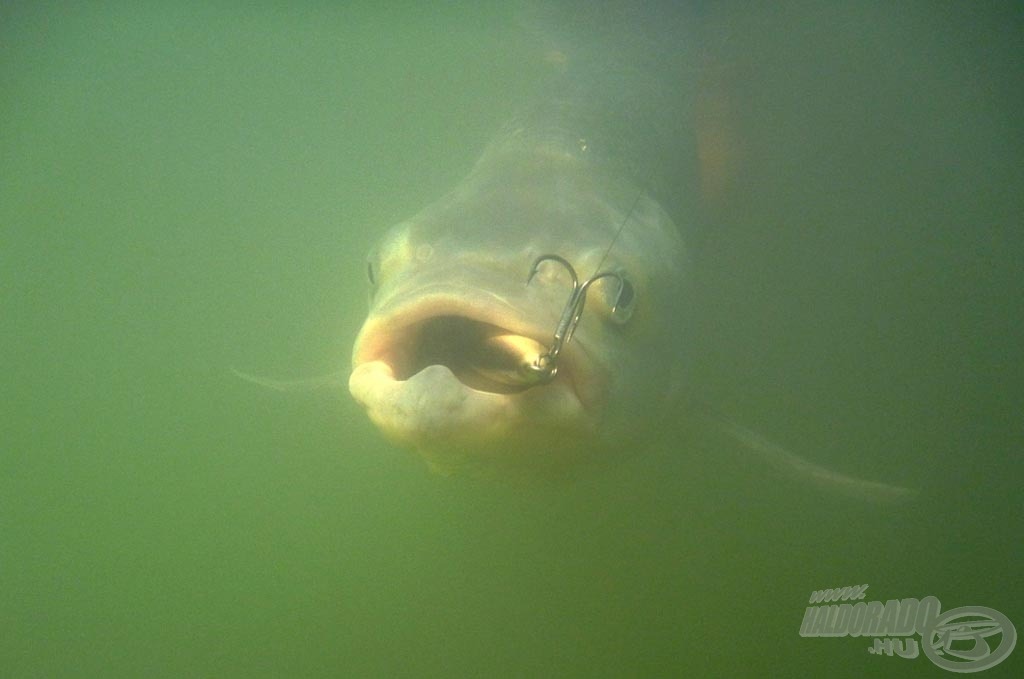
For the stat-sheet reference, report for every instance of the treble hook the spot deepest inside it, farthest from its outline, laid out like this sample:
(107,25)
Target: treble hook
(545,366)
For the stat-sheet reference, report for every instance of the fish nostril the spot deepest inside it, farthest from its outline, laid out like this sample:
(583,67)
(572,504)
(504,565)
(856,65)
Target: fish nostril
(424,252)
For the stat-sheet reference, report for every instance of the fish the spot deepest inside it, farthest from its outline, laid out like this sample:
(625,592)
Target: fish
(595,177)
(456,318)
(452,312)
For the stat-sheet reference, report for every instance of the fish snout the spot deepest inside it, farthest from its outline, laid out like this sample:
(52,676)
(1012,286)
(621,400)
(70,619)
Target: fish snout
(442,374)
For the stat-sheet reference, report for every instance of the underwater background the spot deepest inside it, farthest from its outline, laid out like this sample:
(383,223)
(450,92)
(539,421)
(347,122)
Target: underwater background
(189,188)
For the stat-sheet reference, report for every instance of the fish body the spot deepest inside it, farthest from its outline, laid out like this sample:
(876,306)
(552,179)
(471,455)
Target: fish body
(450,298)
(596,168)
(598,171)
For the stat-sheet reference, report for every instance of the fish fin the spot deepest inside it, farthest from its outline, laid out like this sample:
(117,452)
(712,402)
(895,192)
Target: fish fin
(795,466)
(332,381)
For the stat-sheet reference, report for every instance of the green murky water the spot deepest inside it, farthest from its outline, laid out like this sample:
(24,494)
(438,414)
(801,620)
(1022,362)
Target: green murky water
(187,189)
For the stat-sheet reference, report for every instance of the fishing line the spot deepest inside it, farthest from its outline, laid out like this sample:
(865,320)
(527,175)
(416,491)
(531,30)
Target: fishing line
(544,367)
(625,220)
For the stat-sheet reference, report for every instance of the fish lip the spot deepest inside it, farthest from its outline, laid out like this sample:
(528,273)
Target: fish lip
(450,423)
(383,335)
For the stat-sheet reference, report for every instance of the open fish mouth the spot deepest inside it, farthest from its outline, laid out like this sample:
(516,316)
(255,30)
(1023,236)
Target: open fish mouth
(480,338)
(482,356)
(451,369)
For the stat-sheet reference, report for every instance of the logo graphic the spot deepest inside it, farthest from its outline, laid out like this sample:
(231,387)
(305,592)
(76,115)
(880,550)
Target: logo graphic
(965,639)
(958,640)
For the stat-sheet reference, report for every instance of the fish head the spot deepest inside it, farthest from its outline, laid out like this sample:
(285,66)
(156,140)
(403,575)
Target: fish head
(438,363)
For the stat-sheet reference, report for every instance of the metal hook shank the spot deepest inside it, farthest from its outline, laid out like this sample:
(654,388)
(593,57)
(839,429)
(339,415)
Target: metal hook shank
(546,365)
